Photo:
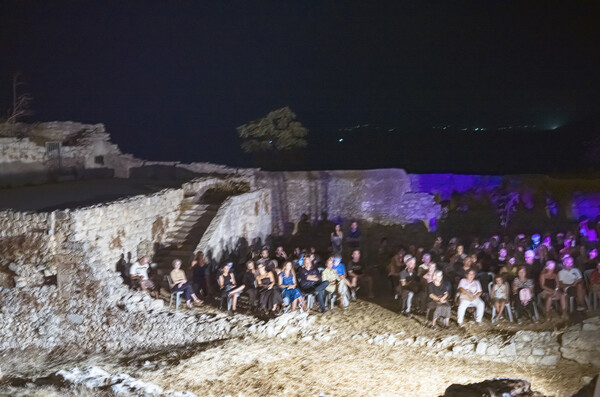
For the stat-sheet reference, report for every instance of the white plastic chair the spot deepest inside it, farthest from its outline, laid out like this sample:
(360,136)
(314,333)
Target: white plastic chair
(177,294)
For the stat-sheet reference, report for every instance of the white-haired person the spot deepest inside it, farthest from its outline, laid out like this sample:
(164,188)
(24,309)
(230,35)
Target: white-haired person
(571,277)
(470,296)
(180,283)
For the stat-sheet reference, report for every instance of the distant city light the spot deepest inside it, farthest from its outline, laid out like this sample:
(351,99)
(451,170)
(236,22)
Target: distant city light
(341,140)
(270,141)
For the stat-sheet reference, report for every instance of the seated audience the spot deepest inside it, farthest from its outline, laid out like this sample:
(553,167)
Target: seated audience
(287,284)
(499,296)
(411,287)
(595,280)
(551,290)
(357,271)
(336,282)
(269,296)
(523,292)
(180,283)
(439,296)
(228,286)
(311,283)
(470,296)
(200,274)
(138,273)
(249,282)
(570,277)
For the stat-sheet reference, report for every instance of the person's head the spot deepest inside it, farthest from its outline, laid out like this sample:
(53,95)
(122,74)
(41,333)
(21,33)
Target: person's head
(432,267)
(470,275)
(511,262)
(250,265)
(144,260)
(264,253)
(426,259)
(337,260)
(567,262)
(468,262)
(438,241)
(499,280)
(354,226)
(593,253)
(261,268)
(550,266)
(287,267)
(225,269)
(338,227)
(410,262)
(547,241)
(279,250)
(307,263)
(356,255)
(460,250)
(176,264)
(529,257)
(502,254)
(329,263)
(438,276)
(522,273)
(200,257)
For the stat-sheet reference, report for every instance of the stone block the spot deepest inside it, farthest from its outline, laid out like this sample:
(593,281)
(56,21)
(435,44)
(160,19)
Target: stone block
(481,348)
(550,360)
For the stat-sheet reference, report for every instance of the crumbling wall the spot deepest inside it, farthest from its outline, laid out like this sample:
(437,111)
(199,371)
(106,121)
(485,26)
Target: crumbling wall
(246,216)
(133,225)
(382,196)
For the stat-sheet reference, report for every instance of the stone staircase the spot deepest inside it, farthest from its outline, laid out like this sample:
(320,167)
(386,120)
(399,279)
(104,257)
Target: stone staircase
(186,234)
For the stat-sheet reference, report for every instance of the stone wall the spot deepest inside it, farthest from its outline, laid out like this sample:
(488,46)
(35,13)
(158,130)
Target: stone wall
(27,247)
(383,196)
(246,216)
(131,225)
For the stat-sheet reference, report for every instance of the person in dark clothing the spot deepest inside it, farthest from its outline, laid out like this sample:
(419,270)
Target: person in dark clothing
(249,281)
(411,286)
(353,237)
(311,283)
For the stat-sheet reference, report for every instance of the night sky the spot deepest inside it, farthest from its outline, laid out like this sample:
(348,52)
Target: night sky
(171,80)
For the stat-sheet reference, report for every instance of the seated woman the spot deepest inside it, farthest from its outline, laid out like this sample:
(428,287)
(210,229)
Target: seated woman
(551,291)
(499,296)
(288,283)
(522,288)
(180,283)
(269,296)
(438,295)
(228,286)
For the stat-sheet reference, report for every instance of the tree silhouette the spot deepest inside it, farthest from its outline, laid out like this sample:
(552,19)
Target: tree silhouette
(21,102)
(279,130)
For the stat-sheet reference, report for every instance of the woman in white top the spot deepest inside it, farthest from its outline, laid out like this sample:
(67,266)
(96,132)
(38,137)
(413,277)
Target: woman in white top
(180,283)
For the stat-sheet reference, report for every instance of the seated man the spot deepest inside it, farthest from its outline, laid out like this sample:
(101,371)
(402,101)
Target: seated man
(249,282)
(310,282)
(439,295)
(411,286)
(138,272)
(570,276)
(470,293)
(357,272)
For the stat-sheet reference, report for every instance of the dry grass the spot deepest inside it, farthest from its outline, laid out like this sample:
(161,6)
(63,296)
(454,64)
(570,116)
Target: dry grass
(346,367)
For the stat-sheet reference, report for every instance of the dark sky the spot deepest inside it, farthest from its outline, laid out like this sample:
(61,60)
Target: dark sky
(172,79)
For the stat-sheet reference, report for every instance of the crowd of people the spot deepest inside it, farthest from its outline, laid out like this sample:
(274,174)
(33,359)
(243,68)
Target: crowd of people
(521,276)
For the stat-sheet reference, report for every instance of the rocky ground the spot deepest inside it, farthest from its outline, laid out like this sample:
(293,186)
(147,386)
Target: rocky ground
(364,350)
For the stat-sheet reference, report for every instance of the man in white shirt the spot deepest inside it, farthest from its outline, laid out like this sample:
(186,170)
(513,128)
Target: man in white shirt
(470,296)
(139,272)
(570,276)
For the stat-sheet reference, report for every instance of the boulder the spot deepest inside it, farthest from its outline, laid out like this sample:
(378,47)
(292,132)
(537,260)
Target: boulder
(494,387)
